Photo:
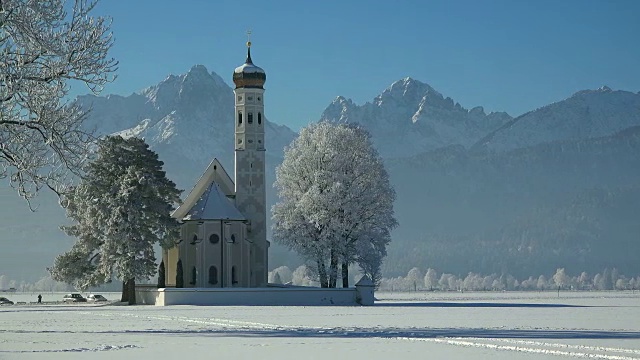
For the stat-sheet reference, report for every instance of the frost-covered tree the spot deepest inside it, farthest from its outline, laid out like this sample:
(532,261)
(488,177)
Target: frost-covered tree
(46,46)
(335,194)
(4,282)
(542,282)
(415,277)
(370,253)
(120,210)
(472,282)
(598,282)
(431,279)
(560,278)
(583,280)
(301,276)
(622,284)
(283,272)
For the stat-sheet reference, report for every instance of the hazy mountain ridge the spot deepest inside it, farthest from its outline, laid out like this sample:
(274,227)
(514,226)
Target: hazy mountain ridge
(522,211)
(586,114)
(466,181)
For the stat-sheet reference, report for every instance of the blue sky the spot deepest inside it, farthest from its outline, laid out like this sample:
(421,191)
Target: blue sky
(506,55)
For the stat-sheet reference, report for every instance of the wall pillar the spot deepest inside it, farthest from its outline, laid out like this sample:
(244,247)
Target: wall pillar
(364,291)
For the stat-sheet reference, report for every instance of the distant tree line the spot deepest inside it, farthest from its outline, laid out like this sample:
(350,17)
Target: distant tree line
(432,280)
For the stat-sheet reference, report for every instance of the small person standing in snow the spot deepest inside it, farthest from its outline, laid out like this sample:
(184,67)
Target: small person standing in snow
(39,298)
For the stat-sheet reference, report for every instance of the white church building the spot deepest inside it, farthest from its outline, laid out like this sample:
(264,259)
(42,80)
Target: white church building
(223,249)
(223,233)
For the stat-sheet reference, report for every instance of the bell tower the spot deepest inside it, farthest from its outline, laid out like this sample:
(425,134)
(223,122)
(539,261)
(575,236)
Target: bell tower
(250,184)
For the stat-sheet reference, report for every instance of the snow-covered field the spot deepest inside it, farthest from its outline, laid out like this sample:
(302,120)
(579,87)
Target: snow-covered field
(400,326)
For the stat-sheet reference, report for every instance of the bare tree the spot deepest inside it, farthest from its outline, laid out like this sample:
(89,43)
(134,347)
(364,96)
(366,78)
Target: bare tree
(45,49)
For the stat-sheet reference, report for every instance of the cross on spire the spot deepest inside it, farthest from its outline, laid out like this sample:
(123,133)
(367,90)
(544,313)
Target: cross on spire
(249,38)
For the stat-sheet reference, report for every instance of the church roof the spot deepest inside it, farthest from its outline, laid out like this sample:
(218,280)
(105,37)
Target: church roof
(214,173)
(213,205)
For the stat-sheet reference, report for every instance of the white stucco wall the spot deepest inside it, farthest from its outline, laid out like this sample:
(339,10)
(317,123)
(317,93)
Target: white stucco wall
(271,296)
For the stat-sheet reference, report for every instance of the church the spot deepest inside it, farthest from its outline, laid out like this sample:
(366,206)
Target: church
(223,236)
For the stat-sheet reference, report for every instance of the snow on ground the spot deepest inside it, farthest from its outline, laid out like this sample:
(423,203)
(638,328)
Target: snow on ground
(400,326)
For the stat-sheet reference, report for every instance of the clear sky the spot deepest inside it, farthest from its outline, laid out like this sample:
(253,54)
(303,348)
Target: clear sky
(505,55)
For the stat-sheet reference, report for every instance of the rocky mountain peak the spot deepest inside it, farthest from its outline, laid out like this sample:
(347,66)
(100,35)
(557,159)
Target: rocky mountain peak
(407,91)
(414,114)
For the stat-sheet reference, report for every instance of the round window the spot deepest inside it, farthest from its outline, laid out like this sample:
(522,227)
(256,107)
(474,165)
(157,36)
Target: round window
(214,238)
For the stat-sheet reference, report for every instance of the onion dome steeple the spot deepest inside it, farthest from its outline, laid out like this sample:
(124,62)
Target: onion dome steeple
(249,75)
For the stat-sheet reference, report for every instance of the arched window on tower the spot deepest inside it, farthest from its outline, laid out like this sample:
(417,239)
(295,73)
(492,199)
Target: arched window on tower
(213,275)
(239,118)
(259,118)
(250,118)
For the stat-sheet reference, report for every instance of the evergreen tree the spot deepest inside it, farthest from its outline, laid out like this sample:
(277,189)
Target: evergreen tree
(161,275)
(120,210)
(179,275)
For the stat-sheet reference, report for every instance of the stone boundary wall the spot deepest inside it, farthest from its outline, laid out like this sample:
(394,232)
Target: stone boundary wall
(270,296)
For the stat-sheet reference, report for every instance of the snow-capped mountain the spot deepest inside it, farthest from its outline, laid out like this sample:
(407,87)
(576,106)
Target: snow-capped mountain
(585,115)
(547,161)
(187,119)
(410,117)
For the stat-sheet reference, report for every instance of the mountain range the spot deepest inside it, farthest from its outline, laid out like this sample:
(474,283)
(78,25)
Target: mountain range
(554,187)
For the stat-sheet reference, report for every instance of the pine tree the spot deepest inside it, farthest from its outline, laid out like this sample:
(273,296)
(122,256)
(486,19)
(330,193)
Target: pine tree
(179,275)
(161,275)
(120,210)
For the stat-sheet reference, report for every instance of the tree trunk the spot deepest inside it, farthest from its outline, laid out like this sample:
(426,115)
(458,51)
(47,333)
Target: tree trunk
(161,275)
(345,275)
(125,292)
(322,272)
(131,285)
(333,269)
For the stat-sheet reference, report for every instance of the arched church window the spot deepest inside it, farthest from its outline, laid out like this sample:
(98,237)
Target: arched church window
(250,118)
(259,118)
(214,238)
(233,238)
(194,275)
(234,279)
(213,275)
(239,118)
